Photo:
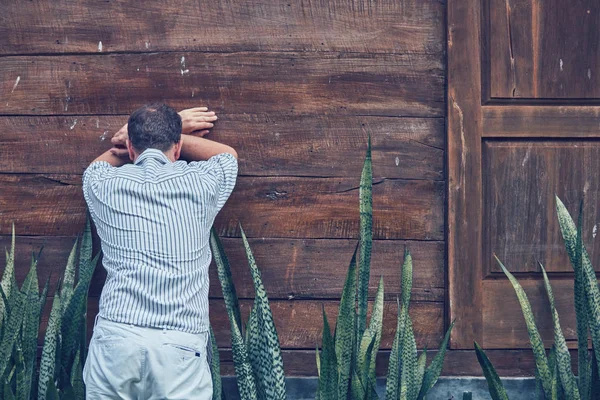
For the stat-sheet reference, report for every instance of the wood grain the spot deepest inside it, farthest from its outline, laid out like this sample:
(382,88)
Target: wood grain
(267,207)
(247,25)
(268,145)
(544,49)
(508,363)
(504,325)
(520,181)
(541,121)
(464,171)
(299,323)
(290,268)
(293,83)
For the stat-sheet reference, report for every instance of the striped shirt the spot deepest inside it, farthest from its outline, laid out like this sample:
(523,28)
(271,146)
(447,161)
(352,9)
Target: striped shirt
(154,218)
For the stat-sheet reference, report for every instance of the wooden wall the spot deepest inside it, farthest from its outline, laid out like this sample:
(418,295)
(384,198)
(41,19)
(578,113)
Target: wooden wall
(297,86)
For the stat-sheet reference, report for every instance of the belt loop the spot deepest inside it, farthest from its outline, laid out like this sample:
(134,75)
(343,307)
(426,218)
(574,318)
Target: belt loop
(96,320)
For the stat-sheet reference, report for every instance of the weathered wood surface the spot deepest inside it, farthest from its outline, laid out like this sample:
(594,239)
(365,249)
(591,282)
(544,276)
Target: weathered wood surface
(290,268)
(353,26)
(290,83)
(508,363)
(541,121)
(300,323)
(504,325)
(464,171)
(268,145)
(546,49)
(520,181)
(267,207)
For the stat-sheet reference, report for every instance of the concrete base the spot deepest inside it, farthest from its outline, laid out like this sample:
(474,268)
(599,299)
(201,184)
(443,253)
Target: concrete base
(445,389)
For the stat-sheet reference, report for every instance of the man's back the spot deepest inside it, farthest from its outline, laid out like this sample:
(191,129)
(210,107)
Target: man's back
(153,218)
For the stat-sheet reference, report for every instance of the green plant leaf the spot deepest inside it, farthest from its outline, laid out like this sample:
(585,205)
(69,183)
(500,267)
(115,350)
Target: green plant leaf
(328,378)
(407,278)
(344,330)
(496,389)
(215,367)
(243,370)
(575,247)
(365,240)
(467,396)
(68,282)
(12,328)
(85,250)
(225,277)
(595,378)
(375,328)
(270,368)
(563,357)
(408,374)
(433,372)
(29,329)
(392,385)
(49,351)
(76,378)
(537,344)
(421,364)
(73,316)
(8,282)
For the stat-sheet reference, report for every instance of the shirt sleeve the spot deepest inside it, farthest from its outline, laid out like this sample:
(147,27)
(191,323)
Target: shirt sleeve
(224,166)
(92,176)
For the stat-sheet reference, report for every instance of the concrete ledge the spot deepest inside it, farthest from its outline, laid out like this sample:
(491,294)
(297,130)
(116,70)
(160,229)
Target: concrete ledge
(446,388)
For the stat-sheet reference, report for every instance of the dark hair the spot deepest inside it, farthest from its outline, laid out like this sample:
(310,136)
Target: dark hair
(154,126)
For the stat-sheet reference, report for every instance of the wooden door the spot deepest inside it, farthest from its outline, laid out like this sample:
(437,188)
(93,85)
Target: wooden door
(523,124)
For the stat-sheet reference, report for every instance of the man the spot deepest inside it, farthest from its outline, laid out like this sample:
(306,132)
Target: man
(153,217)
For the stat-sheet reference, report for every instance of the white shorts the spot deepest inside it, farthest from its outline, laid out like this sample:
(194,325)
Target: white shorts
(132,362)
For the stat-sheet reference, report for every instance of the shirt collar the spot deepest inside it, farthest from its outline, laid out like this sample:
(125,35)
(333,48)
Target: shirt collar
(154,154)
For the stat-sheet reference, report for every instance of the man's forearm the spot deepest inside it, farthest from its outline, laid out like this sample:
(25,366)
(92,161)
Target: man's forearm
(195,148)
(112,159)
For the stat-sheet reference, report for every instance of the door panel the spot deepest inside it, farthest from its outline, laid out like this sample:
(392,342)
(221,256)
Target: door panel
(520,179)
(507,157)
(544,49)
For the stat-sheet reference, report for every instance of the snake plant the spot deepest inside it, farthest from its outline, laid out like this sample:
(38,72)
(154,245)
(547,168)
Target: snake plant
(256,350)
(346,362)
(64,350)
(554,376)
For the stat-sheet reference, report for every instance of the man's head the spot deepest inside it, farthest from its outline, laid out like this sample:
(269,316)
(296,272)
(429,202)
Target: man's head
(154,126)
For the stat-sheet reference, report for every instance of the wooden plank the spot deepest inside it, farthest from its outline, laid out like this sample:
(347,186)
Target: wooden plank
(316,268)
(504,325)
(508,363)
(520,181)
(300,323)
(541,121)
(464,171)
(294,83)
(544,49)
(290,268)
(273,145)
(357,26)
(267,207)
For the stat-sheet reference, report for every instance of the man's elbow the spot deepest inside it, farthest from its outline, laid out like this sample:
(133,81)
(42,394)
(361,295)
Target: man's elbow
(233,152)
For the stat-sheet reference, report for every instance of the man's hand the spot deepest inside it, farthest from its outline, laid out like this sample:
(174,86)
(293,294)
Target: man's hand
(197,121)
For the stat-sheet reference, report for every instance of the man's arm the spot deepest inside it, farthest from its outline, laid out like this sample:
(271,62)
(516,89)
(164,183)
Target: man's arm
(194,148)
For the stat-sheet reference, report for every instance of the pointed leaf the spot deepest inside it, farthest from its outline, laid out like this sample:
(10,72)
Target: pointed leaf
(563,357)
(575,247)
(433,372)
(537,344)
(497,391)
(328,378)
(225,277)
(392,386)
(366,239)
(344,330)
(51,344)
(270,370)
